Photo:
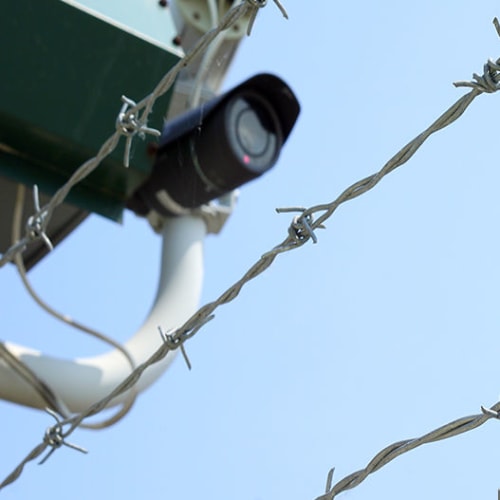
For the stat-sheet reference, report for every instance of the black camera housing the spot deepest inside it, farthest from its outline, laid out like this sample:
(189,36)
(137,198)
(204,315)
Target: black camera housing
(217,147)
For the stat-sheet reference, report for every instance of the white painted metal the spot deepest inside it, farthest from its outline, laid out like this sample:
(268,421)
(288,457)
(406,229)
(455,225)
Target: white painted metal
(82,382)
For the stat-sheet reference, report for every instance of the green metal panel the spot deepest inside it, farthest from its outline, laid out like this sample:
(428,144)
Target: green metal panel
(63,72)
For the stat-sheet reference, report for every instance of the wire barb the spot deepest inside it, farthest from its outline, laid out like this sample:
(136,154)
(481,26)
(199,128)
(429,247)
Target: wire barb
(329,480)
(497,25)
(489,82)
(301,228)
(35,229)
(258,4)
(490,413)
(281,8)
(173,343)
(129,124)
(54,437)
(176,339)
(37,223)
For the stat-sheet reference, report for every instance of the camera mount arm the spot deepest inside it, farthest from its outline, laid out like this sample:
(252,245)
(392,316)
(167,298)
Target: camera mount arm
(81,382)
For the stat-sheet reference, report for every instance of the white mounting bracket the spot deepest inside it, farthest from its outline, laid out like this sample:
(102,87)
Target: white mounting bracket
(80,383)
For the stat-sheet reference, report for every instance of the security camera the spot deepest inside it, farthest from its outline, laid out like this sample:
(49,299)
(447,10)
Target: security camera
(211,150)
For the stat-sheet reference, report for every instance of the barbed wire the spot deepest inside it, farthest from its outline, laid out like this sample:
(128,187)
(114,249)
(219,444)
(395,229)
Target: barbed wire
(394,450)
(300,231)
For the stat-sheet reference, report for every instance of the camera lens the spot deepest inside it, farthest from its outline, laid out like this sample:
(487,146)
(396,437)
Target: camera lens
(254,131)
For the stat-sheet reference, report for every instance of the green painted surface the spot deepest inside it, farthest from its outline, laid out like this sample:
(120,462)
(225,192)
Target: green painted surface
(63,74)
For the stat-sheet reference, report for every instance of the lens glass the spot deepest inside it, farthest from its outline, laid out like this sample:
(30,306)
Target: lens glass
(254,131)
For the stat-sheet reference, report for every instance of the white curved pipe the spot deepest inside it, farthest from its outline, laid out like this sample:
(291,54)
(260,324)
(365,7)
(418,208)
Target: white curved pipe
(82,382)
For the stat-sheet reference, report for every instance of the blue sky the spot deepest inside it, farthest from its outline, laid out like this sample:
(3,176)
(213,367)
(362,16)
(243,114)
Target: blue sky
(384,330)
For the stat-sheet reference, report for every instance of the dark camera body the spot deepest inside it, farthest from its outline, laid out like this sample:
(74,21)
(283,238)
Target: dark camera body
(213,149)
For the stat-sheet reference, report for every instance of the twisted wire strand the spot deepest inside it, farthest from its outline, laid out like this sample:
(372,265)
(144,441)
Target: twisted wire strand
(394,450)
(301,231)
(32,455)
(400,158)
